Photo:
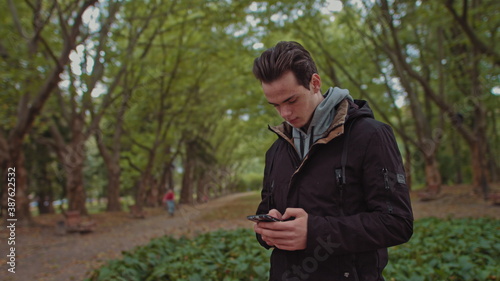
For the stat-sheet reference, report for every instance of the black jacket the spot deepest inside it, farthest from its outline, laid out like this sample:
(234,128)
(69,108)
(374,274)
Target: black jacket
(350,225)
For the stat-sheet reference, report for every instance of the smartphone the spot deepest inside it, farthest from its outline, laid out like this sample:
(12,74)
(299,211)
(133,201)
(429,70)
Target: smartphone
(263,217)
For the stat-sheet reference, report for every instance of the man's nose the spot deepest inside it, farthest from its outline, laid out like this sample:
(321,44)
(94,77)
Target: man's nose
(285,111)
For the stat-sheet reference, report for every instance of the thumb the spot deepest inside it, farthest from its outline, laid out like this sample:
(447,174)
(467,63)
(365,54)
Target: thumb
(275,213)
(294,212)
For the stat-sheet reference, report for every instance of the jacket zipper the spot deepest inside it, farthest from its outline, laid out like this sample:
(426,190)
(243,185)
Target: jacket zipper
(386,178)
(297,157)
(340,183)
(271,197)
(388,188)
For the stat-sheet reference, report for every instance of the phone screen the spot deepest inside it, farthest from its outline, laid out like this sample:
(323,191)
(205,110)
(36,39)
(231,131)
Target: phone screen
(264,218)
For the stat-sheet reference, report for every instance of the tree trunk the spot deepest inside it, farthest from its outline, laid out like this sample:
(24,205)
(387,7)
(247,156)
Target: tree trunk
(480,144)
(140,197)
(45,205)
(187,182)
(74,162)
(493,168)
(147,181)
(166,181)
(457,159)
(432,175)
(407,165)
(45,192)
(480,169)
(113,190)
(111,161)
(16,170)
(202,188)
(75,189)
(72,156)
(29,110)
(153,192)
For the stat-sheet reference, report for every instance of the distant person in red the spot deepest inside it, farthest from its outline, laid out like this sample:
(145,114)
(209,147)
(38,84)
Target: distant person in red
(168,199)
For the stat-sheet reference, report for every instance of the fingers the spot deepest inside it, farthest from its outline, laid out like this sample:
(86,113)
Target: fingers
(294,212)
(287,235)
(275,213)
(266,239)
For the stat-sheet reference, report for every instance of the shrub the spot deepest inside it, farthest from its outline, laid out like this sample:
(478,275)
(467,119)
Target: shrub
(451,249)
(219,255)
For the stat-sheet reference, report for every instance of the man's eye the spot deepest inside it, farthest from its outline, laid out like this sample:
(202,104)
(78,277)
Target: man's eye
(292,101)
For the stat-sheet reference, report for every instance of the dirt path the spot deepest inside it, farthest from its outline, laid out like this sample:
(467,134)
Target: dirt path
(456,202)
(42,255)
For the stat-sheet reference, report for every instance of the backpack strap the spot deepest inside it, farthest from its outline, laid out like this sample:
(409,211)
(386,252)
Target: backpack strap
(340,173)
(267,172)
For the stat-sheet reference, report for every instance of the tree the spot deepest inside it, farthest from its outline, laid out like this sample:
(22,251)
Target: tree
(386,50)
(124,82)
(79,115)
(475,135)
(380,37)
(29,48)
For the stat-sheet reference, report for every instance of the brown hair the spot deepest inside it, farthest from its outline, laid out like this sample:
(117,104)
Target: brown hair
(285,56)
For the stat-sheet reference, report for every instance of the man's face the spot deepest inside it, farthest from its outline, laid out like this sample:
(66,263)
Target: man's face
(294,102)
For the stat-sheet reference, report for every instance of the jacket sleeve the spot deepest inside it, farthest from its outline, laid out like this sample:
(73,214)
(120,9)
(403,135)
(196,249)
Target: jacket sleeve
(267,202)
(387,219)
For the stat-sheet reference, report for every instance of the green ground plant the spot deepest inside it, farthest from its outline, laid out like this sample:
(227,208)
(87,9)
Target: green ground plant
(452,249)
(218,255)
(440,249)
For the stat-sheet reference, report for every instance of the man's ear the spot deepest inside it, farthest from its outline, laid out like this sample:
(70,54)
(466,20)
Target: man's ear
(316,83)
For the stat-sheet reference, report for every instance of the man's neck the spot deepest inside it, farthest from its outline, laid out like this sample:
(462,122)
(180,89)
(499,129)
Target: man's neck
(320,98)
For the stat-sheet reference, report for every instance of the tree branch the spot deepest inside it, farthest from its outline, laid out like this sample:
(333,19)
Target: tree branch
(462,21)
(17,22)
(429,92)
(132,164)
(26,121)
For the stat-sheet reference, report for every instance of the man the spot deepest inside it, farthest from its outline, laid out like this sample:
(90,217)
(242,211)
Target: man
(169,201)
(334,174)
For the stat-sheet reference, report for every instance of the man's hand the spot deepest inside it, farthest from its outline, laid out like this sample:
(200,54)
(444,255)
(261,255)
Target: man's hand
(287,235)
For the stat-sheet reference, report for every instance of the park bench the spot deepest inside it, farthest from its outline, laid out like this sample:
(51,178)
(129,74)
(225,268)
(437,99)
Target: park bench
(495,198)
(74,222)
(137,212)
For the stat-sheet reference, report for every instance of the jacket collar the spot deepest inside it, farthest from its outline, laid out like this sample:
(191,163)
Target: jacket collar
(336,129)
